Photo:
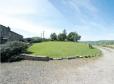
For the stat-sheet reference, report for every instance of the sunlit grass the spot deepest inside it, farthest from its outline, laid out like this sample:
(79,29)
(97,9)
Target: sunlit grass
(62,49)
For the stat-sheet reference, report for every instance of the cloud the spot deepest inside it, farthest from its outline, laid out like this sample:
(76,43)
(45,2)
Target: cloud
(87,4)
(82,6)
(17,7)
(28,27)
(77,11)
(32,17)
(16,14)
(94,31)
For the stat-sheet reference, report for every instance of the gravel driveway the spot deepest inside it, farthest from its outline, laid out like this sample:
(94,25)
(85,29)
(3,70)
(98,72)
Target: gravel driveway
(76,71)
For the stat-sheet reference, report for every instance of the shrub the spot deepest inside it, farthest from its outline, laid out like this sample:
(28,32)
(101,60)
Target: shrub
(33,40)
(90,46)
(11,48)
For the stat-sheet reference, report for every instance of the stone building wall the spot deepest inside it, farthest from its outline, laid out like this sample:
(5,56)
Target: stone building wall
(8,35)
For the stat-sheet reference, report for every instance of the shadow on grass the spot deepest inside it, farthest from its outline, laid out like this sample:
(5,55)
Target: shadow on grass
(28,52)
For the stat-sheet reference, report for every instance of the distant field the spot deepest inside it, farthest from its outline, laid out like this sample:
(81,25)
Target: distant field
(62,49)
(110,46)
(100,42)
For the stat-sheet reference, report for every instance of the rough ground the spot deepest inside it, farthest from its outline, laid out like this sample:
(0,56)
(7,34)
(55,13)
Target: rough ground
(76,71)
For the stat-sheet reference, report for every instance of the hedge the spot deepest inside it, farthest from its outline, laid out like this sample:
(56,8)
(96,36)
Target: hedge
(10,49)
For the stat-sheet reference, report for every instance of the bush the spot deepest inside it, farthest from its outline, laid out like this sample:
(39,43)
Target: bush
(33,40)
(90,46)
(11,48)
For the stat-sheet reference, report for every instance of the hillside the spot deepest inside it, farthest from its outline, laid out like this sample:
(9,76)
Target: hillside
(101,42)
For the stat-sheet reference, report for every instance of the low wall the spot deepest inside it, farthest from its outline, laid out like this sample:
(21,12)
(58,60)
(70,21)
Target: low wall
(45,58)
(35,58)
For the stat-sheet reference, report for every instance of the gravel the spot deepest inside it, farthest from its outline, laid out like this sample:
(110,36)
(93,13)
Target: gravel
(74,71)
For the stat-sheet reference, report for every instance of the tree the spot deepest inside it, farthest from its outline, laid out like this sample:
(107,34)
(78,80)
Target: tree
(53,36)
(65,34)
(61,37)
(73,36)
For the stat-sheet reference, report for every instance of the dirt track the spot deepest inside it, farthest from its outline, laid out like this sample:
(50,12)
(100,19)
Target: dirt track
(76,71)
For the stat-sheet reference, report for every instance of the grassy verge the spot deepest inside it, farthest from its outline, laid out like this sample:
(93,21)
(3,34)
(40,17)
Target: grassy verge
(63,49)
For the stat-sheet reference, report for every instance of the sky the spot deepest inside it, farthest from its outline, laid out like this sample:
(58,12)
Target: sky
(92,19)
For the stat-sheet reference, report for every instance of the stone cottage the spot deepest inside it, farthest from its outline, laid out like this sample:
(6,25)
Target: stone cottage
(7,35)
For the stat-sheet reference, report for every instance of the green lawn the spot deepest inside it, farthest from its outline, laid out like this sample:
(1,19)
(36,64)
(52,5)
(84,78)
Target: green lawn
(62,49)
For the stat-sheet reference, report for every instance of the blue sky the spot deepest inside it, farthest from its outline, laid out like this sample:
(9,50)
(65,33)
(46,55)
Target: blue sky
(92,19)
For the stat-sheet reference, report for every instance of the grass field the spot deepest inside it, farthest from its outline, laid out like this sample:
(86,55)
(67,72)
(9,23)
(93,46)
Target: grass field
(62,49)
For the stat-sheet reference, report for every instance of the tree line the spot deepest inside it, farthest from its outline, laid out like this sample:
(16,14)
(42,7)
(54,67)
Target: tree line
(72,36)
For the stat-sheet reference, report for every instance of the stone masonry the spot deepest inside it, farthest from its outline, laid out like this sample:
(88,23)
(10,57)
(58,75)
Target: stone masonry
(7,35)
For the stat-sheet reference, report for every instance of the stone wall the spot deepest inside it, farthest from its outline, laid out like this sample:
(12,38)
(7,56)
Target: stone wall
(7,35)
